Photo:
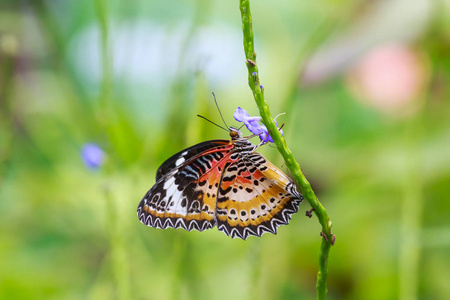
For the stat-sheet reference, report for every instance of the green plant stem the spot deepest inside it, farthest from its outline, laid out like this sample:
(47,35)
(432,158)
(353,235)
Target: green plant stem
(118,253)
(291,163)
(106,56)
(411,208)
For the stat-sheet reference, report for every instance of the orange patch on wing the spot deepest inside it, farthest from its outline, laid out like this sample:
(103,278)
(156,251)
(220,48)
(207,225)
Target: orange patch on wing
(266,206)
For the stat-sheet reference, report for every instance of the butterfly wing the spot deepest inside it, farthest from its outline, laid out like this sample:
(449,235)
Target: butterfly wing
(185,192)
(254,197)
(179,158)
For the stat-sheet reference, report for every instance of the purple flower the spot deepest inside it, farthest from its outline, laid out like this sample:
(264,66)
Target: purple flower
(253,124)
(93,156)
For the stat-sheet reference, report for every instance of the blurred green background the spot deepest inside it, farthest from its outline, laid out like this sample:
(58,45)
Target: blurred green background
(365,86)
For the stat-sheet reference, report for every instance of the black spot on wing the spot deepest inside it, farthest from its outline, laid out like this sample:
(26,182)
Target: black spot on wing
(229,178)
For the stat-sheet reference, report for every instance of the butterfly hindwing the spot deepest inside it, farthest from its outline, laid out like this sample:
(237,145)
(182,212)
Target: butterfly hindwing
(254,197)
(185,196)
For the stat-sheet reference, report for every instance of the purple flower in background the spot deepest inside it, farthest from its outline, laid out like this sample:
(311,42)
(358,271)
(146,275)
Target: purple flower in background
(93,156)
(253,124)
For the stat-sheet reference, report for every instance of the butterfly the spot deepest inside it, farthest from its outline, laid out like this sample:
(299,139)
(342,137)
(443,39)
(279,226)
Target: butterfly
(222,183)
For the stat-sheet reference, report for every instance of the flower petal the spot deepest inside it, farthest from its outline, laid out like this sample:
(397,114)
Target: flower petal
(240,114)
(254,127)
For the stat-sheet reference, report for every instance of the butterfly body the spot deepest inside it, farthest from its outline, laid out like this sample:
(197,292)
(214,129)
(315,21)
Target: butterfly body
(224,183)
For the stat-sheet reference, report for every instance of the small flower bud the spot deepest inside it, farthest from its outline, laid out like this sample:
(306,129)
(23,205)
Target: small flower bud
(93,156)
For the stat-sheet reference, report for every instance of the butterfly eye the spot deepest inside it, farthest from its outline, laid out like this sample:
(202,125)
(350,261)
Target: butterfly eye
(234,134)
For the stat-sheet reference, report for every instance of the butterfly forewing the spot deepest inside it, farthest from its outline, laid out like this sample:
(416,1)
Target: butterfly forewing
(181,157)
(184,197)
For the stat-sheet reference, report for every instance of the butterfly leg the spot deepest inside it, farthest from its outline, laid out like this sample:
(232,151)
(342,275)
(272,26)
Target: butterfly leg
(309,213)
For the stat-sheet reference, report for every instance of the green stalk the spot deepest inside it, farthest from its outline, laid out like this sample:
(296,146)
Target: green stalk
(118,253)
(291,163)
(106,63)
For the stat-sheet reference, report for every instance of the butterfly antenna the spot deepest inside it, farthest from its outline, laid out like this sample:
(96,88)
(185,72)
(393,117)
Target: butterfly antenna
(217,105)
(213,122)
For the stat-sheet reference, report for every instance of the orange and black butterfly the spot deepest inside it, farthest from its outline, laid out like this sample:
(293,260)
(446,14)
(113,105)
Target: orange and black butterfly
(222,183)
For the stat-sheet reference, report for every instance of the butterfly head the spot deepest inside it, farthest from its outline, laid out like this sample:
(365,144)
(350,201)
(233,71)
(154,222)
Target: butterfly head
(235,134)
